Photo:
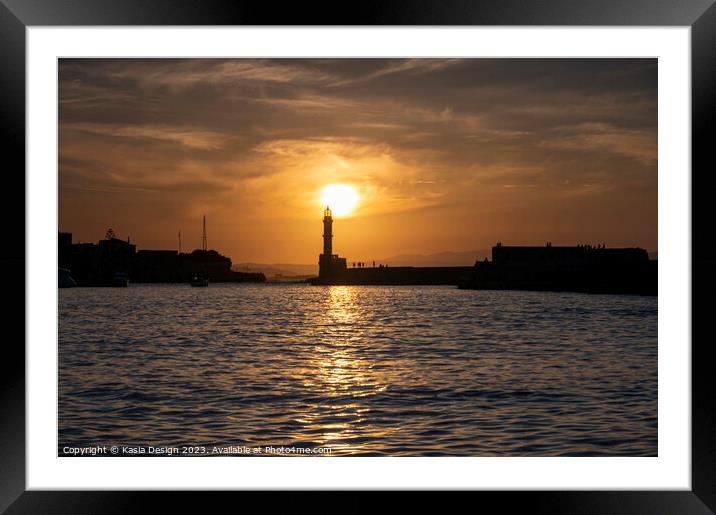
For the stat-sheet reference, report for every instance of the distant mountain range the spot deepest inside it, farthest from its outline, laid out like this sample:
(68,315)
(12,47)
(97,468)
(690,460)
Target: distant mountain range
(278,269)
(288,270)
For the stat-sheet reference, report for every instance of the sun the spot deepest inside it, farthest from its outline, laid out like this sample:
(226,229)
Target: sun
(341,198)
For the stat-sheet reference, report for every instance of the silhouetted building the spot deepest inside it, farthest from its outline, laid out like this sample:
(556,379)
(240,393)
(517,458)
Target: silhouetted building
(566,256)
(330,265)
(64,249)
(206,261)
(103,263)
(584,268)
(64,240)
(156,266)
(116,257)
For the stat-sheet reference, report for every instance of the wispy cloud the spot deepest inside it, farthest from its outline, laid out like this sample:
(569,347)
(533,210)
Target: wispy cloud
(185,136)
(192,72)
(306,102)
(640,145)
(406,66)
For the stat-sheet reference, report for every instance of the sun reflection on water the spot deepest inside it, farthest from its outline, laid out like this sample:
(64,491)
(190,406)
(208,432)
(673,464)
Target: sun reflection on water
(412,371)
(339,370)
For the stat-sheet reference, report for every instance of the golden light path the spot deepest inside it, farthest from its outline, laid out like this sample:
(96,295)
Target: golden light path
(341,198)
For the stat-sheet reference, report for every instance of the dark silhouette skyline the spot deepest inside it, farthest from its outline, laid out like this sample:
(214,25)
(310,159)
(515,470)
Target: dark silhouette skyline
(583,268)
(101,264)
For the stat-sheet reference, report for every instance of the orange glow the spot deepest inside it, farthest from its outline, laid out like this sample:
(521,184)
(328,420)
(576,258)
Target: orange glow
(415,157)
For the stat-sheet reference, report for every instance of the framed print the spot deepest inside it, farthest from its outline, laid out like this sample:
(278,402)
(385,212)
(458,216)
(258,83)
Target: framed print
(435,248)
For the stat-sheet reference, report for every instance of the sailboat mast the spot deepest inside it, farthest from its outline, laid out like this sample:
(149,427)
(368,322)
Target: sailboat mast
(206,256)
(203,237)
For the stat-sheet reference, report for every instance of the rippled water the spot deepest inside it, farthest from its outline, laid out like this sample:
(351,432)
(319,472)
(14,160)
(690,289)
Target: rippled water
(399,371)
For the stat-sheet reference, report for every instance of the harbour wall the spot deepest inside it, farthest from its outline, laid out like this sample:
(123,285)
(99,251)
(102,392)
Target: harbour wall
(398,275)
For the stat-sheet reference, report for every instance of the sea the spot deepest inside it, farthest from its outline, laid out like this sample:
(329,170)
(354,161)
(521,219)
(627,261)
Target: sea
(295,369)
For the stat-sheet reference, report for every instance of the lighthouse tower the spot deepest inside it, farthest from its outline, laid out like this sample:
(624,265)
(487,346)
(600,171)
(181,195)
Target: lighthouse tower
(327,232)
(330,266)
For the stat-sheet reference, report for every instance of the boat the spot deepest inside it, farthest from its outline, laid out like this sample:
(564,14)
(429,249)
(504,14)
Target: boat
(202,280)
(64,279)
(120,280)
(199,282)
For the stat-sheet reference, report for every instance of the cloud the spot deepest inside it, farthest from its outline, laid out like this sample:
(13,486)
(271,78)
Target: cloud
(186,73)
(186,136)
(346,147)
(306,102)
(639,145)
(405,66)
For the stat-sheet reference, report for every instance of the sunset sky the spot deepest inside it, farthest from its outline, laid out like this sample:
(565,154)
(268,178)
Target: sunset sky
(445,154)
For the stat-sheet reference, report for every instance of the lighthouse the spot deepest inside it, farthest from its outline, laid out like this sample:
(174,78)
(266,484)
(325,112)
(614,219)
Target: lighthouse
(330,266)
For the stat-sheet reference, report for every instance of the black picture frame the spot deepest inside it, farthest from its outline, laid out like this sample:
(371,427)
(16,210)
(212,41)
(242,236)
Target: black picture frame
(17,15)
